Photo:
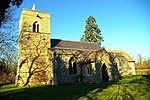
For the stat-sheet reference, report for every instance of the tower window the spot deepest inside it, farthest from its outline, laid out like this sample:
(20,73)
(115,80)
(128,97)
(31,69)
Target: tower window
(35,27)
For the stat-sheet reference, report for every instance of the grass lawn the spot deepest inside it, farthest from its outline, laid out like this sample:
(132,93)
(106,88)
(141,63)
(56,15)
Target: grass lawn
(104,91)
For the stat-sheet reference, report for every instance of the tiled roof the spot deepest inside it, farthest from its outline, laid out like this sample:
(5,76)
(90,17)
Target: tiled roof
(67,44)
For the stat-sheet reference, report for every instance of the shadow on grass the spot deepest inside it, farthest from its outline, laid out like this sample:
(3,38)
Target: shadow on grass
(62,92)
(119,91)
(103,91)
(147,77)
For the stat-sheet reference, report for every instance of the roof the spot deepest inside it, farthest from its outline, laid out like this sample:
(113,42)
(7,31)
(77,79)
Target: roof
(119,53)
(76,45)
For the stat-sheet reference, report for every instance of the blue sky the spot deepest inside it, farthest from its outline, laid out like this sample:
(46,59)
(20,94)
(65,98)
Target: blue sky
(124,24)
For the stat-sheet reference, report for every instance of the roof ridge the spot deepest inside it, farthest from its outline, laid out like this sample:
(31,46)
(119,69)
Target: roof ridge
(75,49)
(77,41)
(115,51)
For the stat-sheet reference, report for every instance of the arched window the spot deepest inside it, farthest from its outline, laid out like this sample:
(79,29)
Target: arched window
(72,66)
(35,27)
(89,70)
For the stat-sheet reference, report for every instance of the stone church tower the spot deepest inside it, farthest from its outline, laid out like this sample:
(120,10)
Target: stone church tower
(34,41)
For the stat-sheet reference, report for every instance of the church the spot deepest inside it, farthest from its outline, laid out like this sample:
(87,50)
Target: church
(46,61)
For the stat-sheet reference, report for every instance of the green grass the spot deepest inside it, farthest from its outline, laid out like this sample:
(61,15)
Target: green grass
(136,78)
(104,91)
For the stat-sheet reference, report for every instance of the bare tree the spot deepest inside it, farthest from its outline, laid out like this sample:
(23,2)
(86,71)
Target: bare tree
(8,49)
(8,68)
(8,36)
(139,64)
(140,59)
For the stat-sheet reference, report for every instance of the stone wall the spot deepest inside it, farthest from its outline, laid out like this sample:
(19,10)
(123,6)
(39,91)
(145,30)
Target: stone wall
(125,64)
(83,58)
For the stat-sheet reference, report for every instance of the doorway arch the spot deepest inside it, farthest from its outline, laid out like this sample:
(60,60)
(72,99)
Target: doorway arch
(105,76)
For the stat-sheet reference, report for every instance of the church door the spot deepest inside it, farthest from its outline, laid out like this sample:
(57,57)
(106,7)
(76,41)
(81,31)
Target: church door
(105,76)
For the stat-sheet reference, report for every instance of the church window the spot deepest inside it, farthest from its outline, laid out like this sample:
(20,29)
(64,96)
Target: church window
(35,27)
(72,66)
(89,70)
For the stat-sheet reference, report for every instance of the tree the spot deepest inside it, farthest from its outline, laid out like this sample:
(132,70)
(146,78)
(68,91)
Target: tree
(139,64)
(8,36)
(142,63)
(2,65)
(8,64)
(140,59)
(92,32)
(4,5)
(146,63)
(8,33)
(8,49)
(8,40)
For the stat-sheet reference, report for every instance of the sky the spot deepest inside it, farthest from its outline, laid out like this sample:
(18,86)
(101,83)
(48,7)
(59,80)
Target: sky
(124,24)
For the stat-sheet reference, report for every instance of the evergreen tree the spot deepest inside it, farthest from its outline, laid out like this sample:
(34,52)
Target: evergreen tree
(92,32)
